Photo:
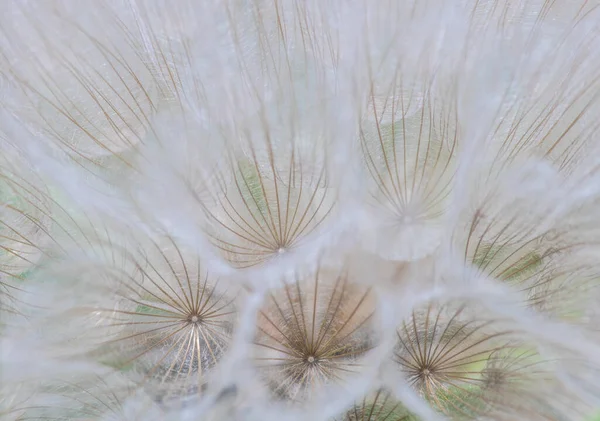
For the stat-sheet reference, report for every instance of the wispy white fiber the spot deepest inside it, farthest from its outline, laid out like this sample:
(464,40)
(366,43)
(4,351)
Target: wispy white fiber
(299,209)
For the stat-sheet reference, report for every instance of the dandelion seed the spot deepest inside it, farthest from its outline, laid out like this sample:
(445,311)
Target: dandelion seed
(163,320)
(84,90)
(515,247)
(25,227)
(268,209)
(441,352)
(86,398)
(519,381)
(312,333)
(379,406)
(409,143)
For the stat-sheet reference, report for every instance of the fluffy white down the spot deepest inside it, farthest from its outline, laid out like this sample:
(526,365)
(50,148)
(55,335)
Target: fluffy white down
(291,210)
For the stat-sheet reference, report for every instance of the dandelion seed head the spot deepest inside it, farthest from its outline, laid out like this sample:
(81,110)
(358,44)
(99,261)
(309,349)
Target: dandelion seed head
(400,196)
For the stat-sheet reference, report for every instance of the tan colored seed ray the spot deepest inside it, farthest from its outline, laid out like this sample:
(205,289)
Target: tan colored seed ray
(378,406)
(25,232)
(467,368)
(587,9)
(504,17)
(84,398)
(544,112)
(440,353)
(292,198)
(166,59)
(318,42)
(539,260)
(253,218)
(55,224)
(518,382)
(170,324)
(550,120)
(114,105)
(409,141)
(267,209)
(34,96)
(312,333)
(263,41)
